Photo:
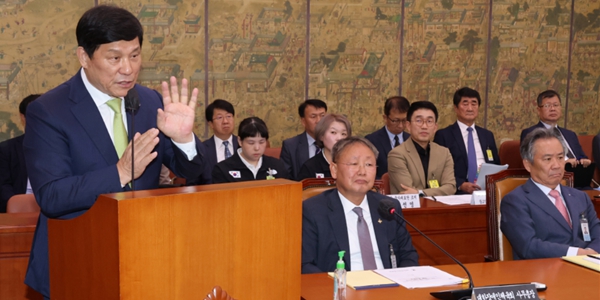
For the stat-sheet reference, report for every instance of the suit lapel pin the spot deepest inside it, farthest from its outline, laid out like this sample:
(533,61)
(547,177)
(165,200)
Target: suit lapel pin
(379,221)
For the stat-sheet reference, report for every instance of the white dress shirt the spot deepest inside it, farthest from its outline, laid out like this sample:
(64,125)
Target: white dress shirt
(391,137)
(356,262)
(465,134)
(220,148)
(250,166)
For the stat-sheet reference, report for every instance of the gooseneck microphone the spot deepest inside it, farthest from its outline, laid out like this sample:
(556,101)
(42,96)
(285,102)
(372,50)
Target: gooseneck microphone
(132,104)
(387,210)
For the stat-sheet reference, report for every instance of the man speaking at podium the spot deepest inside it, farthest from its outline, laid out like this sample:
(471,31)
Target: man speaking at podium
(543,218)
(79,136)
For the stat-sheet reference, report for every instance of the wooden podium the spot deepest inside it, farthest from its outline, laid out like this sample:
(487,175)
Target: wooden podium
(178,243)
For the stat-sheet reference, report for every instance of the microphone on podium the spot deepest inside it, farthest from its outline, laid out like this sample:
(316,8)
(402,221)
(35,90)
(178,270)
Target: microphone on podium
(132,104)
(387,210)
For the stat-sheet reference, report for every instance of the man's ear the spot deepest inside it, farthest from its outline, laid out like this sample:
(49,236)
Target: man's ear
(84,59)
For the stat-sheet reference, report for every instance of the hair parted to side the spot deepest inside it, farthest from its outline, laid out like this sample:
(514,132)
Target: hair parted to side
(253,127)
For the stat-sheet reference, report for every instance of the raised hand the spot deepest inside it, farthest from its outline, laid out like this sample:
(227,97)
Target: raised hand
(177,119)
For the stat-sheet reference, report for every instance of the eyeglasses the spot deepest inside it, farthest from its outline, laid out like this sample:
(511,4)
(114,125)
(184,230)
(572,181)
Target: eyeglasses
(550,105)
(396,121)
(428,122)
(355,165)
(221,118)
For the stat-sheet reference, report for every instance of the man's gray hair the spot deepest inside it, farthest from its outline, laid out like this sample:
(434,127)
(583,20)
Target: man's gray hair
(527,150)
(341,145)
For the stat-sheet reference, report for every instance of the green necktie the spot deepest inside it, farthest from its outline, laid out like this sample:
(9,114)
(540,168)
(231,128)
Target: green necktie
(119,132)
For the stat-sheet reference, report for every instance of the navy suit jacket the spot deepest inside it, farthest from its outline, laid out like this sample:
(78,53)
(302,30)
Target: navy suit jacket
(324,234)
(211,159)
(570,138)
(13,174)
(294,153)
(381,141)
(451,138)
(535,228)
(71,160)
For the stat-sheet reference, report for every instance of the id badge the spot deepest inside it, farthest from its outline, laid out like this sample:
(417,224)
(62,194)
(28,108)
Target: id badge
(585,229)
(433,184)
(489,155)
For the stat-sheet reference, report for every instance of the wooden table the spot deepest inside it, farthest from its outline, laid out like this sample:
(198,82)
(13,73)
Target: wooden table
(564,280)
(16,236)
(459,229)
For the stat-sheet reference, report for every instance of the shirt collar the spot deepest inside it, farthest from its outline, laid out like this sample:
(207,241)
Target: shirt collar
(249,165)
(548,126)
(420,149)
(391,135)
(463,127)
(349,206)
(99,97)
(219,142)
(310,139)
(546,190)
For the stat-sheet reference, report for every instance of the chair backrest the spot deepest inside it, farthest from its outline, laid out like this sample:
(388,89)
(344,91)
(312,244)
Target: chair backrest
(273,152)
(385,178)
(218,294)
(22,203)
(314,186)
(510,154)
(496,187)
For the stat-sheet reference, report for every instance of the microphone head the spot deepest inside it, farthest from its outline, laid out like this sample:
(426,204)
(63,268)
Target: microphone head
(132,100)
(387,208)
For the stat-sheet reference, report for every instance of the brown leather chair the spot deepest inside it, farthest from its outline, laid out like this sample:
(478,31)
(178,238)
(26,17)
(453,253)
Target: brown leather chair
(218,294)
(273,152)
(385,178)
(496,187)
(314,186)
(22,203)
(510,154)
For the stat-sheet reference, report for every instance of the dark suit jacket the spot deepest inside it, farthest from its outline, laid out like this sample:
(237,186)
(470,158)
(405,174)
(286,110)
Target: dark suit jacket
(381,141)
(221,172)
(13,174)
(316,164)
(570,138)
(71,160)
(451,138)
(294,153)
(536,229)
(211,160)
(324,233)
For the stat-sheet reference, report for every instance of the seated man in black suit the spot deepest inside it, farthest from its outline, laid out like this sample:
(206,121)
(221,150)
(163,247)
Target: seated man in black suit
(346,218)
(469,145)
(297,150)
(550,111)
(220,116)
(392,134)
(13,174)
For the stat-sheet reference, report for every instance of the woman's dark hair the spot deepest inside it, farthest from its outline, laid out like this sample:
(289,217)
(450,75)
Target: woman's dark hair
(252,127)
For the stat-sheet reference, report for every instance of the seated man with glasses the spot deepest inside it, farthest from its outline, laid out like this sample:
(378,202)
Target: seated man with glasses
(392,134)
(420,166)
(220,116)
(550,111)
(470,145)
(346,218)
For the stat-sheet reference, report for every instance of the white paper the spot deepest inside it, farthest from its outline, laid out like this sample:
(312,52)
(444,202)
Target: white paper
(592,260)
(420,277)
(452,199)
(488,169)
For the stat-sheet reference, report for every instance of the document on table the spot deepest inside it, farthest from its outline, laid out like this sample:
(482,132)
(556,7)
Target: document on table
(488,169)
(453,199)
(420,277)
(362,280)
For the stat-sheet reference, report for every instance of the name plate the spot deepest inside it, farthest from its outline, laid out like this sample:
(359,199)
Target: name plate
(407,200)
(506,292)
(478,198)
